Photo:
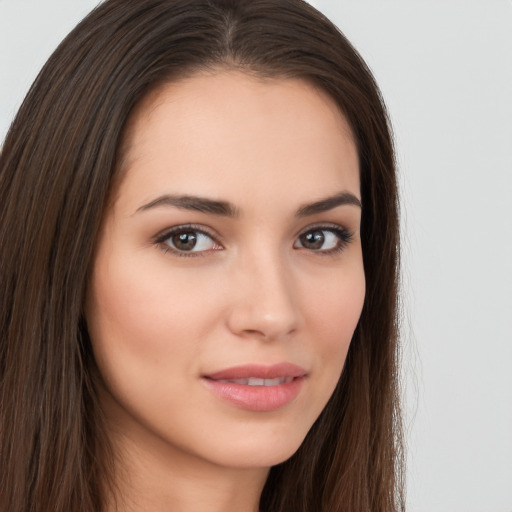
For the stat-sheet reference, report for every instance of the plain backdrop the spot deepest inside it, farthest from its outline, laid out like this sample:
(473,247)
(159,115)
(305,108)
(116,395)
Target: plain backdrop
(445,70)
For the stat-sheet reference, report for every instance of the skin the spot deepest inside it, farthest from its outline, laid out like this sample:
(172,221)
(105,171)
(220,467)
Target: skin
(253,290)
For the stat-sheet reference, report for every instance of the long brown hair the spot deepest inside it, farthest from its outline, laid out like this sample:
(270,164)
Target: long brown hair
(57,168)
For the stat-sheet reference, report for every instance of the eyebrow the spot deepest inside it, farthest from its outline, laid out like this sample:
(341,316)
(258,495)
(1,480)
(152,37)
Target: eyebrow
(226,209)
(341,199)
(200,204)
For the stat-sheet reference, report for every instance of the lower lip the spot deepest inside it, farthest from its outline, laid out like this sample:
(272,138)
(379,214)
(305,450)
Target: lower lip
(257,398)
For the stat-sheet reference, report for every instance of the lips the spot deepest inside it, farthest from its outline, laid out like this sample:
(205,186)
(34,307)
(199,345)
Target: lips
(275,371)
(257,387)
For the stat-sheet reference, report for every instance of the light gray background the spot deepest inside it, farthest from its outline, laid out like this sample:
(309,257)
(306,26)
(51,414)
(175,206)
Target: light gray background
(445,69)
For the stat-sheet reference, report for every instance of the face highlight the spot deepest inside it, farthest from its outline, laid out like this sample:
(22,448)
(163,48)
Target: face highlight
(228,278)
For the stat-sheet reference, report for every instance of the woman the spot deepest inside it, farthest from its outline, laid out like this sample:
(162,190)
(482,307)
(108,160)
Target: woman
(199,268)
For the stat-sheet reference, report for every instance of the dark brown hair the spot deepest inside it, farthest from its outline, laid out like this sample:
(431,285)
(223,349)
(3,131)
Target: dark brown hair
(57,168)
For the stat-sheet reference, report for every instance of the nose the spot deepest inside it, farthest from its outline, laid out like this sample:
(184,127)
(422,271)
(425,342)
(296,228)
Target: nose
(264,301)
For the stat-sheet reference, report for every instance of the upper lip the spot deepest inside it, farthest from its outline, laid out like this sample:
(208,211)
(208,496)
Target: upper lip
(258,371)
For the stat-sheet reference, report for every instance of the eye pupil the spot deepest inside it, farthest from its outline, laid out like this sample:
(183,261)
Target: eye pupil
(185,241)
(313,239)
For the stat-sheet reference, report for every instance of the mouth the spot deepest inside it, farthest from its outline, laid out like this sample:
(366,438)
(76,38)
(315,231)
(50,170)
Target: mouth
(258,388)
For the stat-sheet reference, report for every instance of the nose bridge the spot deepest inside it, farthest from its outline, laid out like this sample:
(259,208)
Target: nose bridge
(266,302)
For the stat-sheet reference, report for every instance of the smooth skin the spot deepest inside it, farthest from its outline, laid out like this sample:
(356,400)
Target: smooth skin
(178,293)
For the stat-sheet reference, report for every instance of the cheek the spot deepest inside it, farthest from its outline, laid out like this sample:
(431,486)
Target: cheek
(120,312)
(132,307)
(336,308)
(333,314)
(344,314)
(130,323)
(142,342)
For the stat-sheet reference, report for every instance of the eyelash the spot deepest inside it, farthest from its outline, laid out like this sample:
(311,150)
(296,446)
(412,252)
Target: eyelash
(185,228)
(344,238)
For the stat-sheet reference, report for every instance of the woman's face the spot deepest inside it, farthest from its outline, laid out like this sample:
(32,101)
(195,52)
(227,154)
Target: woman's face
(228,278)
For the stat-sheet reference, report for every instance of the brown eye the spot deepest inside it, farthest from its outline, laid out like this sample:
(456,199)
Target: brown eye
(185,241)
(324,240)
(312,239)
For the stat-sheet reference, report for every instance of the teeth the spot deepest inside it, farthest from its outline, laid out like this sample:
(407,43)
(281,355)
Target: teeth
(255,381)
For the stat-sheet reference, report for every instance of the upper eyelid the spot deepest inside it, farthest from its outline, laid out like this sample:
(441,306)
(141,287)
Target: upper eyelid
(160,240)
(337,229)
(205,230)
(166,233)
(325,226)
(213,233)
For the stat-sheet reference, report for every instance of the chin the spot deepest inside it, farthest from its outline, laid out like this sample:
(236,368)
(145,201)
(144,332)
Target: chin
(257,450)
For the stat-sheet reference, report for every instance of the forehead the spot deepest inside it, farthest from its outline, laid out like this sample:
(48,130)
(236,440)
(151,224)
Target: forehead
(228,132)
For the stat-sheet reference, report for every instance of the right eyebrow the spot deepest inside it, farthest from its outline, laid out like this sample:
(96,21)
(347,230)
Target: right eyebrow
(199,204)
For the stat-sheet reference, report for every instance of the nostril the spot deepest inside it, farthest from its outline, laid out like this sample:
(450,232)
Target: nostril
(250,324)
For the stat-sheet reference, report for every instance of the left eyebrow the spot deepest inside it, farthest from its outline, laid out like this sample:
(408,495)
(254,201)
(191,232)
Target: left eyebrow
(343,198)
